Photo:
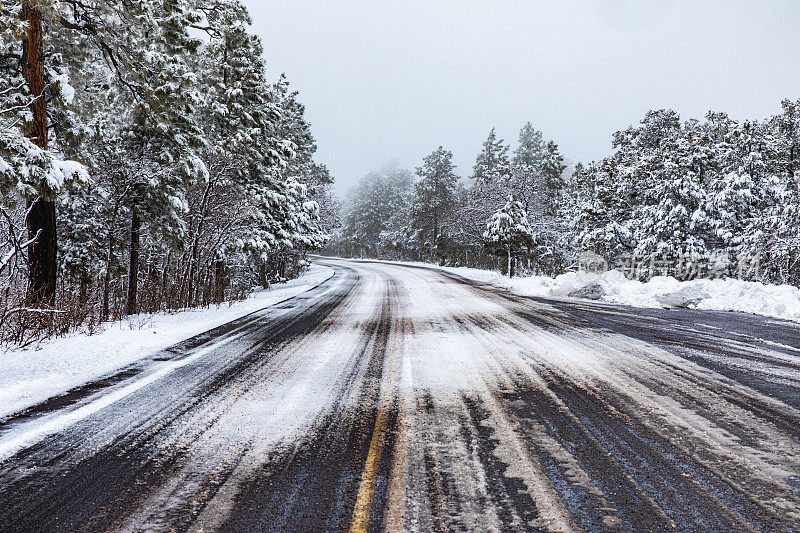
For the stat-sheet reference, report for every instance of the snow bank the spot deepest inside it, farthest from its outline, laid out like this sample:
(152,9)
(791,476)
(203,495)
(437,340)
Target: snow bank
(31,375)
(779,301)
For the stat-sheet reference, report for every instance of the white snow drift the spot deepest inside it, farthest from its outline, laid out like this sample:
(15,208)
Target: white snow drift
(779,301)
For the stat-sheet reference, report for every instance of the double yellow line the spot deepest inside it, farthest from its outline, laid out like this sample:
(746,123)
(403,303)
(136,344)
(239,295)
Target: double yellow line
(369,477)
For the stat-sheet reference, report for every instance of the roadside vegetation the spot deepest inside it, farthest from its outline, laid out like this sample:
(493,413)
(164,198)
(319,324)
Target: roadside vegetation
(701,198)
(148,162)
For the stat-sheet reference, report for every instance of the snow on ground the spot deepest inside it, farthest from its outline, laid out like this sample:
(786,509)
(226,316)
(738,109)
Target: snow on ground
(33,374)
(779,301)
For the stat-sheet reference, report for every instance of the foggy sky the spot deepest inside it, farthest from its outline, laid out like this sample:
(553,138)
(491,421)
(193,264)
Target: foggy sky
(394,80)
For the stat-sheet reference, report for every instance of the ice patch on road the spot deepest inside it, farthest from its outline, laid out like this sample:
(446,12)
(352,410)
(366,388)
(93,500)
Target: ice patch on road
(276,412)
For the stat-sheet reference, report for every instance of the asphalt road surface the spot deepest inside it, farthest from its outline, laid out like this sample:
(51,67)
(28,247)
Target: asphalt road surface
(398,398)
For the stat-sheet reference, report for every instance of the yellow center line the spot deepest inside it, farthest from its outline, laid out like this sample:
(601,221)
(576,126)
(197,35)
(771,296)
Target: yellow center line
(366,490)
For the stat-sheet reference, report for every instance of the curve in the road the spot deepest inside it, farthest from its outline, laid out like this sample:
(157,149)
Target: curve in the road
(404,398)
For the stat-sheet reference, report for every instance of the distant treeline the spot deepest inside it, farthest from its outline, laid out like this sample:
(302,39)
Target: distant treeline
(671,193)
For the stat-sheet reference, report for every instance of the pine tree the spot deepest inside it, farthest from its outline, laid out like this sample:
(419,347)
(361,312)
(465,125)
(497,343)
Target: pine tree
(537,181)
(374,205)
(775,239)
(668,228)
(433,194)
(620,190)
(240,116)
(509,234)
(199,162)
(552,168)
(527,163)
(742,190)
(786,134)
(491,181)
(81,235)
(492,166)
(29,165)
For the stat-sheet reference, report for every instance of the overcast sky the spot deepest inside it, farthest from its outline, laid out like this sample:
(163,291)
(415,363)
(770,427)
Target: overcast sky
(394,80)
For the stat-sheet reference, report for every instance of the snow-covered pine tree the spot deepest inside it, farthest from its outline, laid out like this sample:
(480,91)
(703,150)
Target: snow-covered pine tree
(743,189)
(492,165)
(623,186)
(31,169)
(785,128)
(667,227)
(683,191)
(465,226)
(239,116)
(487,193)
(81,234)
(330,206)
(775,241)
(433,195)
(526,179)
(375,203)
(302,174)
(165,132)
(288,217)
(600,221)
(491,176)
(774,238)
(552,169)
(169,101)
(508,234)
(133,59)
(537,181)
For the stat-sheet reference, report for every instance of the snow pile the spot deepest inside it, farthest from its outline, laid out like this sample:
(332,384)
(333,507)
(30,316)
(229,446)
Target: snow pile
(779,301)
(31,375)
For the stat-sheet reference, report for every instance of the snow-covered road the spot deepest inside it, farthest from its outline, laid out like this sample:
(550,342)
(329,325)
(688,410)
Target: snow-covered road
(405,398)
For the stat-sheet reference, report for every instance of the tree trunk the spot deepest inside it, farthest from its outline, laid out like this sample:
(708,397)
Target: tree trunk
(207,294)
(83,293)
(180,273)
(42,272)
(510,271)
(193,256)
(41,219)
(219,281)
(133,270)
(166,294)
(33,72)
(435,234)
(107,280)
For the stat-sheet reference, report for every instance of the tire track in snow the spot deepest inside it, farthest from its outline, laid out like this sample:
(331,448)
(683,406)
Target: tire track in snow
(468,470)
(502,413)
(92,473)
(315,488)
(682,475)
